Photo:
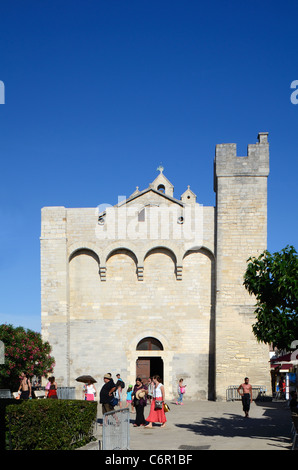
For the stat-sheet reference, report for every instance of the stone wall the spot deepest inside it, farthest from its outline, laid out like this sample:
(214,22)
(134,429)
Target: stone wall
(96,306)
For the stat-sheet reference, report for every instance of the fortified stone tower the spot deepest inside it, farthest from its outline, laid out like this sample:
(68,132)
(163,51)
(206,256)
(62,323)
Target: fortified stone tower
(241,232)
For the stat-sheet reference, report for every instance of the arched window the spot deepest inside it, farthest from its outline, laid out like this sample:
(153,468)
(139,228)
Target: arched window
(149,344)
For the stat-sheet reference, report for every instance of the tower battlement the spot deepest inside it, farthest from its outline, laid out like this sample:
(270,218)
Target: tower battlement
(256,163)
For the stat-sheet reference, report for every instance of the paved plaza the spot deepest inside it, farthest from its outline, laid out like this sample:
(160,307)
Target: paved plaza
(207,425)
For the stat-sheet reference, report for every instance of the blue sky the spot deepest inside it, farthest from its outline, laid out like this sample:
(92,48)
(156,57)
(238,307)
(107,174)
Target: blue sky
(98,93)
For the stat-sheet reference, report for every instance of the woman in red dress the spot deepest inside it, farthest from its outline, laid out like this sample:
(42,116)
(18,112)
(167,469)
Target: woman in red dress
(157,415)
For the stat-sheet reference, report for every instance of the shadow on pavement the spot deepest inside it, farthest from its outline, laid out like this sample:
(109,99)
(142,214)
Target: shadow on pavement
(274,425)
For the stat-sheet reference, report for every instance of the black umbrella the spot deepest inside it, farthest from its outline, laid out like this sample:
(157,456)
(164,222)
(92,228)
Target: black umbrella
(86,378)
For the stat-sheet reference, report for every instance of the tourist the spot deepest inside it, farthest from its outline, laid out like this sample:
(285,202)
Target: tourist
(52,393)
(157,414)
(246,395)
(181,391)
(47,387)
(150,389)
(119,386)
(37,384)
(129,397)
(120,381)
(140,401)
(106,394)
(25,389)
(89,391)
(282,388)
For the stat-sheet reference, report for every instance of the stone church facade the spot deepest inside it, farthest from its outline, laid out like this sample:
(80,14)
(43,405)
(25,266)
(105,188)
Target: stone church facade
(154,285)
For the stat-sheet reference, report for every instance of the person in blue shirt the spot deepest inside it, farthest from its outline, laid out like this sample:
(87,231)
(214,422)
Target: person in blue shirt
(129,397)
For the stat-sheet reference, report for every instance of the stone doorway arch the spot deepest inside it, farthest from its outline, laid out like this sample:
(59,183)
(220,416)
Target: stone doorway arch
(148,366)
(159,360)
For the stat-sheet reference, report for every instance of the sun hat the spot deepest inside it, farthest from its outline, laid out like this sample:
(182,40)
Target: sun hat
(140,394)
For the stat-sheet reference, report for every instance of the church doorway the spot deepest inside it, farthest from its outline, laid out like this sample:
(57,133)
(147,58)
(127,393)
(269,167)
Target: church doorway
(150,363)
(148,367)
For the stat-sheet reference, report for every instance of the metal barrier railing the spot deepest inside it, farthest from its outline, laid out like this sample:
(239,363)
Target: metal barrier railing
(258,391)
(66,393)
(115,430)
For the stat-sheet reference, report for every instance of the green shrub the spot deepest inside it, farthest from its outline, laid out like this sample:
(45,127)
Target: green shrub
(50,424)
(4,403)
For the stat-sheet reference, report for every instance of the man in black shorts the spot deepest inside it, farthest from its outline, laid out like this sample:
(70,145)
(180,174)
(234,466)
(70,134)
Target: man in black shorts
(246,395)
(25,387)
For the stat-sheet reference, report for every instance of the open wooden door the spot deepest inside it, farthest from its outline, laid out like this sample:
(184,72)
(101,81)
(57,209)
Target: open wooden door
(143,368)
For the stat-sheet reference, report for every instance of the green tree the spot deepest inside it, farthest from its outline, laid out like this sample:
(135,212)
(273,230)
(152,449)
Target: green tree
(273,279)
(24,352)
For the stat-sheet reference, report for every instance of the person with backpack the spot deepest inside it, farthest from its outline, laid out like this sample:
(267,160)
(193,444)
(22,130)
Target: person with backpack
(181,391)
